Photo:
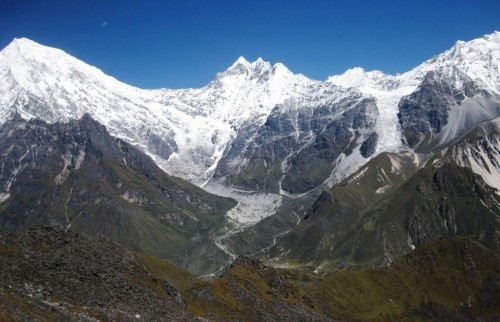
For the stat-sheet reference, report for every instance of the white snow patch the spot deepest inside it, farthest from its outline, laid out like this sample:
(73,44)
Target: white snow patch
(383,189)
(358,175)
(4,196)
(345,166)
(478,160)
(463,117)
(128,197)
(61,177)
(396,164)
(410,242)
(79,159)
(385,175)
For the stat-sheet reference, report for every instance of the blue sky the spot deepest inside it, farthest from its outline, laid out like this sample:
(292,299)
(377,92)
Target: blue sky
(184,43)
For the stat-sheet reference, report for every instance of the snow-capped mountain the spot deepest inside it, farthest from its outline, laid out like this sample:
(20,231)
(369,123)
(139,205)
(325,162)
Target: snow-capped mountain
(273,140)
(187,132)
(259,126)
(438,101)
(466,65)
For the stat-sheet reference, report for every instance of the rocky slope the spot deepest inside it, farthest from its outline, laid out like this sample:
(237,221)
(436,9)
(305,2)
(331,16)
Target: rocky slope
(398,201)
(55,275)
(77,176)
(52,275)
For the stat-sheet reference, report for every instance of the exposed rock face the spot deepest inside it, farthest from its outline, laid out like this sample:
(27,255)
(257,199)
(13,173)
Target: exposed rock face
(367,148)
(314,163)
(77,176)
(296,149)
(424,113)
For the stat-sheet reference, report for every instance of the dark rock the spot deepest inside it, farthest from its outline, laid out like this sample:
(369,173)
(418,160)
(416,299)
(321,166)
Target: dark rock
(425,111)
(367,148)
(489,294)
(309,140)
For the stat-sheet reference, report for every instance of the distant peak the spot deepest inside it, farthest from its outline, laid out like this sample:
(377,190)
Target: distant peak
(25,46)
(280,68)
(242,66)
(494,36)
(352,77)
(358,77)
(240,61)
(260,61)
(355,70)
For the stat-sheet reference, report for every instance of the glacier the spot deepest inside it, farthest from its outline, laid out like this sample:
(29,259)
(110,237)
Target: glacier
(188,132)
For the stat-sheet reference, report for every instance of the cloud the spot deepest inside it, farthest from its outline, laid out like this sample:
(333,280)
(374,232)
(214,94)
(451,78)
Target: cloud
(104,24)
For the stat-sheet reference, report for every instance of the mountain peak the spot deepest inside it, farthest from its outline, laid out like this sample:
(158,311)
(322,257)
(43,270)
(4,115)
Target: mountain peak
(39,69)
(25,47)
(240,61)
(243,67)
(478,59)
(494,36)
(24,41)
(357,77)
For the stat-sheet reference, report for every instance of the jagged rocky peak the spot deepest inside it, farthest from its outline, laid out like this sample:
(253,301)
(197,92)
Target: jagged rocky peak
(259,69)
(243,67)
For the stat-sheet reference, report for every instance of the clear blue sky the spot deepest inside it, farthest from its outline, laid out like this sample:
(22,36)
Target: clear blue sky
(184,43)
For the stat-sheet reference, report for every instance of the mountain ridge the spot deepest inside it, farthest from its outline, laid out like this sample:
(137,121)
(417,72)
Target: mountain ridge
(242,96)
(271,139)
(76,176)
(397,201)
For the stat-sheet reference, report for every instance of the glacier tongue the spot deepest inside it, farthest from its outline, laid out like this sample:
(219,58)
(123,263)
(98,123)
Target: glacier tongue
(387,125)
(387,91)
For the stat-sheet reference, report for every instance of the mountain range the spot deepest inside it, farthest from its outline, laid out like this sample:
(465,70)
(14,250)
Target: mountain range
(353,171)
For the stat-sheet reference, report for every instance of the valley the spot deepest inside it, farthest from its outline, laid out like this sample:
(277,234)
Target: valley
(259,194)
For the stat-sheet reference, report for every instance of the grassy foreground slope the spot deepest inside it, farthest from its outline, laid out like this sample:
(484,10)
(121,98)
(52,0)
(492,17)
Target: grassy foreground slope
(52,275)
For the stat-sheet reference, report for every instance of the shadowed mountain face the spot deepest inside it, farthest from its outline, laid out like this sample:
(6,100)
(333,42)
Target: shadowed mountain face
(76,176)
(439,112)
(55,275)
